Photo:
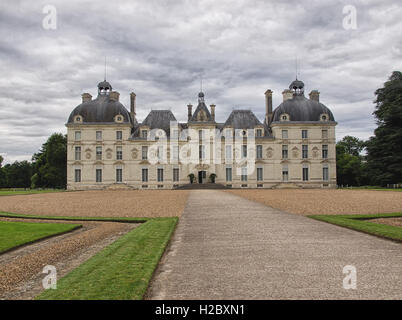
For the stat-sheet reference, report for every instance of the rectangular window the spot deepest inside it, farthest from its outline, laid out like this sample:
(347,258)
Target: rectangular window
(98,175)
(244,151)
(325,174)
(175,134)
(160,175)
(144,175)
(144,153)
(243,174)
(144,134)
(176,174)
(119,175)
(260,176)
(200,135)
(175,153)
(325,134)
(284,151)
(228,152)
(77,153)
(304,134)
(304,151)
(324,151)
(305,174)
(77,135)
(285,173)
(119,153)
(284,134)
(98,135)
(98,153)
(259,151)
(160,152)
(77,175)
(258,133)
(201,152)
(119,135)
(228,174)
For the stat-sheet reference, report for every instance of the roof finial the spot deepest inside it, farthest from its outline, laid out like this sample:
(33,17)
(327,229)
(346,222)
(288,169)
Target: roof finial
(200,83)
(296,67)
(105,69)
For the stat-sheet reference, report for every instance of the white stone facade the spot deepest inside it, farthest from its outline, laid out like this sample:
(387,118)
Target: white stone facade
(109,151)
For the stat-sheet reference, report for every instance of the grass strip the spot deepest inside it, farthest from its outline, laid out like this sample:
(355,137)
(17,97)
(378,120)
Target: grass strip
(22,192)
(122,270)
(357,222)
(110,219)
(16,234)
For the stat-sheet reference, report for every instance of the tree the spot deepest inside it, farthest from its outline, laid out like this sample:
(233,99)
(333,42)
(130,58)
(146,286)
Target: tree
(384,149)
(16,175)
(348,165)
(2,174)
(50,163)
(352,145)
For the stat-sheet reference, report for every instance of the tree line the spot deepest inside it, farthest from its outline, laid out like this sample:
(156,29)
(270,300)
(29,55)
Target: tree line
(48,168)
(377,161)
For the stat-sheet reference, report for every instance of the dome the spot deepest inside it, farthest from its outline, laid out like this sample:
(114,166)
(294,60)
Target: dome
(101,109)
(104,85)
(297,84)
(299,108)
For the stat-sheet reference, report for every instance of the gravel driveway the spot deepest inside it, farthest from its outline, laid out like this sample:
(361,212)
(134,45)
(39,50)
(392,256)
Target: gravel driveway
(118,203)
(317,201)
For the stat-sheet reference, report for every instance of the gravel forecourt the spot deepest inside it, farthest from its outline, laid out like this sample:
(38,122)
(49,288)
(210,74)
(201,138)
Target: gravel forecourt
(317,201)
(116,203)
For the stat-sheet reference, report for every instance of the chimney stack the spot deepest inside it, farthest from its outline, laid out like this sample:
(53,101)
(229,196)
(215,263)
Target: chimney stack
(190,112)
(132,106)
(315,95)
(213,112)
(287,94)
(268,106)
(114,95)
(86,97)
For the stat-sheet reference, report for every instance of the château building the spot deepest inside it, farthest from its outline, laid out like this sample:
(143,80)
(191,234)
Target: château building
(293,146)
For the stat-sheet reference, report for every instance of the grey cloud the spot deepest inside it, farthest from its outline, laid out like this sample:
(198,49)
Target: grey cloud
(160,49)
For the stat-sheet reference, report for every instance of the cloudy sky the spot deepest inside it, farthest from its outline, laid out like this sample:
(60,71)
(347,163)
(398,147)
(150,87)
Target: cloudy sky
(160,49)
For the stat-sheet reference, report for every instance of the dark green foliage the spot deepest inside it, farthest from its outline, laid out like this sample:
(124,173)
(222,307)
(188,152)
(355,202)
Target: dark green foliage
(349,162)
(384,150)
(50,163)
(16,175)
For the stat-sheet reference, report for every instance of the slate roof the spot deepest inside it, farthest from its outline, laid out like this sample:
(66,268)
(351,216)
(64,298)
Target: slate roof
(102,109)
(157,119)
(242,119)
(299,108)
(201,106)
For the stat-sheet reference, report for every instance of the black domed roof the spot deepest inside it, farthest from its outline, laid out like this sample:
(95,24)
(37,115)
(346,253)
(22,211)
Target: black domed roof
(101,109)
(299,108)
(297,84)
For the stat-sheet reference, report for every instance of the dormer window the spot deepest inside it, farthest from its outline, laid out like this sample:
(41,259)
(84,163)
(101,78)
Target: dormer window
(258,133)
(324,117)
(78,119)
(119,118)
(144,134)
(284,117)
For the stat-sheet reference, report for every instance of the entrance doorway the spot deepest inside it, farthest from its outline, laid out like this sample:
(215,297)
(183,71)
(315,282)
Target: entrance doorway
(202,175)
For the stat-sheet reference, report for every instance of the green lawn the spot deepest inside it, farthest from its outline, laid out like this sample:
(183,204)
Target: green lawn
(359,222)
(14,234)
(120,271)
(11,192)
